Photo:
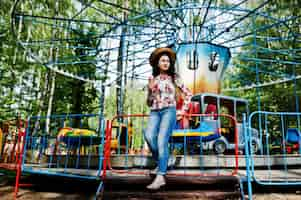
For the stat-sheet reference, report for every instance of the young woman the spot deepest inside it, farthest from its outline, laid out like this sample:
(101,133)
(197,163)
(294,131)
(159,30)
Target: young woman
(163,88)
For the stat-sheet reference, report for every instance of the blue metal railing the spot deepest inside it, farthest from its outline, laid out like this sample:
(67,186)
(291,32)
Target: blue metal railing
(280,153)
(64,145)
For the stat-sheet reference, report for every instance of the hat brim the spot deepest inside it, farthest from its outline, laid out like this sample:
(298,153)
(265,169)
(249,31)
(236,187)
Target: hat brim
(155,55)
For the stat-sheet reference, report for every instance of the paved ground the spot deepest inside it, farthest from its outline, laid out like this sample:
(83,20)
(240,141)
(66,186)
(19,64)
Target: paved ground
(6,193)
(45,188)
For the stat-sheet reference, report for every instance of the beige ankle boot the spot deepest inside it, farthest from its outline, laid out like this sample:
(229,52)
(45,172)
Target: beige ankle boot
(158,182)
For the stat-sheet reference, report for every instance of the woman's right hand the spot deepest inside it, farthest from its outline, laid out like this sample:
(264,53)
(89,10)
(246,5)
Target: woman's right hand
(151,85)
(151,82)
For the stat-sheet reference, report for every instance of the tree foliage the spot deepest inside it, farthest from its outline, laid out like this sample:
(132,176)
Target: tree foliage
(268,58)
(25,84)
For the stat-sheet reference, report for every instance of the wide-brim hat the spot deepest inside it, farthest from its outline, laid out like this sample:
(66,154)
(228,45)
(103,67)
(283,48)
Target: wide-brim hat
(155,55)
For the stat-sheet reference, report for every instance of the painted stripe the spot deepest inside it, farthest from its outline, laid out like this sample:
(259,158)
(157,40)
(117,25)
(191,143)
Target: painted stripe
(188,134)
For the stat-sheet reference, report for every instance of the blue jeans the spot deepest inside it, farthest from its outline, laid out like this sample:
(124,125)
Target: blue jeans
(160,126)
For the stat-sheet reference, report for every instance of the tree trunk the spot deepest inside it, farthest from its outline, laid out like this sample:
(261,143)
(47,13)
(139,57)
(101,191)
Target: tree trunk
(50,100)
(77,91)
(103,87)
(53,57)
(119,82)
(42,97)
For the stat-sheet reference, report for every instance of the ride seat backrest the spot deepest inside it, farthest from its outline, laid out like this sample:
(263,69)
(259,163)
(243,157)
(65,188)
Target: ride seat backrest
(292,135)
(194,108)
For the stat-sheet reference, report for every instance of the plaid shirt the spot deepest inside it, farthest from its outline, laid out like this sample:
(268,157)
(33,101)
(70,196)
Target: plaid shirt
(163,94)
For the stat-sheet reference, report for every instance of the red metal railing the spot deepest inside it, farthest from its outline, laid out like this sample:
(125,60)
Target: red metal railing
(107,148)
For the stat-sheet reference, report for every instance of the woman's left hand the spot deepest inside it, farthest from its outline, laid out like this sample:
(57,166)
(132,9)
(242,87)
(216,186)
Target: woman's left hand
(180,114)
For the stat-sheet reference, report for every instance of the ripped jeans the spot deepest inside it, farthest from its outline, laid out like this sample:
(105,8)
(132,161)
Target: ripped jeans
(160,125)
